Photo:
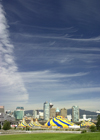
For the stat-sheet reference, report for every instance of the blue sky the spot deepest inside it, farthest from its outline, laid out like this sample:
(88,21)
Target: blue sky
(50,51)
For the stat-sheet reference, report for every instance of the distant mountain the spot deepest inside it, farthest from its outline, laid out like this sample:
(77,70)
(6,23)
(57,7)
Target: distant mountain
(28,111)
(31,112)
(69,111)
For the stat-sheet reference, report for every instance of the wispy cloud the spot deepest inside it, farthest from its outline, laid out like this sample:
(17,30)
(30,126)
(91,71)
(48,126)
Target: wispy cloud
(47,85)
(96,39)
(57,83)
(11,83)
(61,37)
(48,74)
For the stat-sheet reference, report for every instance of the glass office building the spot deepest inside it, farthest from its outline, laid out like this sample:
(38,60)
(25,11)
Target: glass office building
(19,114)
(46,108)
(75,114)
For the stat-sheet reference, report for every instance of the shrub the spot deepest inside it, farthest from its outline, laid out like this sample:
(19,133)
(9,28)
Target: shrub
(92,128)
(98,123)
(27,128)
(83,131)
(24,128)
(15,127)
(6,125)
(78,129)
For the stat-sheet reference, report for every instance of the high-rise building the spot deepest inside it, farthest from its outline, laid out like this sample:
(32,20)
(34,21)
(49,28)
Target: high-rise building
(34,114)
(52,113)
(19,113)
(1,109)
(63,112)
(46,108)
(75,114)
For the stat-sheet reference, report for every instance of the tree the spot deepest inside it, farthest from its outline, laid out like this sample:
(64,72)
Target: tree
(98,123)
(6,125)
(93,128)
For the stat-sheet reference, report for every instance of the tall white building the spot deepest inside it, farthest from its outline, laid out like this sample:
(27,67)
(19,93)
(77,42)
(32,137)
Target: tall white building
(75,113)
(46,108)
(34,114)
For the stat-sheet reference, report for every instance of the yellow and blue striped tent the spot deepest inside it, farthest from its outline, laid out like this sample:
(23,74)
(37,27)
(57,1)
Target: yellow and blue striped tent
(86,124)
(36,123)
(23,123)
(31,123)
(59,122)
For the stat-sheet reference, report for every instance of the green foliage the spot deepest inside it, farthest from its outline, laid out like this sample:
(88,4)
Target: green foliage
(83,131)
(24,128)
(98,123)
(6,125)
(0,126)
(27,128)
(19,129)
(93,128)
(15,127)
(78,130)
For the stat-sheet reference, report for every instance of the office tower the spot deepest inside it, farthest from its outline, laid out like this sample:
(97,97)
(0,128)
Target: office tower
(1,109)
(46,108)
(19,113)
(34,114)
(52,113)
(75,114)
(63,112)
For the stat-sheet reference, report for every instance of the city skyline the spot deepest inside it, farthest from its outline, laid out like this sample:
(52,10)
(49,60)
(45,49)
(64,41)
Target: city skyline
(50,51)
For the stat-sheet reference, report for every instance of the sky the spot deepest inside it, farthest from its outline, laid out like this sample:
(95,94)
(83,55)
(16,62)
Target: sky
(50,51)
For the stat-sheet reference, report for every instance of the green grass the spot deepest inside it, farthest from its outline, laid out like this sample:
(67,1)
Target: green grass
(52,136)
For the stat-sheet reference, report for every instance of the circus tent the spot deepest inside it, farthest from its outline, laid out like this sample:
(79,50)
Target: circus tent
(36,123)
(59,122)
(86,124)
(31,123)
(23,123)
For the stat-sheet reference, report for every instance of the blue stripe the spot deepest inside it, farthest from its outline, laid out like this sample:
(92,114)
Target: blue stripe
(24,124)
(63,122)
(48,123)
(32,124)
(57,123)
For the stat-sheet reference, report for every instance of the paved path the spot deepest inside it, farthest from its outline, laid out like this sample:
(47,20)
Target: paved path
(35,131)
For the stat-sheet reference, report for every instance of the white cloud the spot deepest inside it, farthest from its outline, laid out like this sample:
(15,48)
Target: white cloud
(96,39)
(57,84)
(50,76)
(11,83)
(60,37)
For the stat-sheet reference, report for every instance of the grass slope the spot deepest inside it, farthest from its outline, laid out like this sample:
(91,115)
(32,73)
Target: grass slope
(52,136)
